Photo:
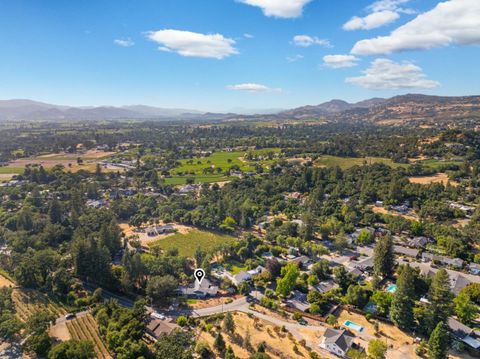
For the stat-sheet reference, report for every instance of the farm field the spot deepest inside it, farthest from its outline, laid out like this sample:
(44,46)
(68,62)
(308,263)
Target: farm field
(187,243)
(436,164)
(348,162)
(69,161)
(28,302)
(85,328)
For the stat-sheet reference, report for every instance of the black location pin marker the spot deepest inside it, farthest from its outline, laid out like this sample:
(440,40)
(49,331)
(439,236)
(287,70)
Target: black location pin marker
(199,275)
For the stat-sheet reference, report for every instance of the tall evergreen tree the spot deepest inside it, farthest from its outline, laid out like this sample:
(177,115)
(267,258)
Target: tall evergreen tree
(383,257)
(401,311)
(55,211)
(438,343)
(440,299)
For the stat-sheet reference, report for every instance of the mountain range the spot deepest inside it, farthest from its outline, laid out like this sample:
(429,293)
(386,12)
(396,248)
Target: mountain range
(398,109)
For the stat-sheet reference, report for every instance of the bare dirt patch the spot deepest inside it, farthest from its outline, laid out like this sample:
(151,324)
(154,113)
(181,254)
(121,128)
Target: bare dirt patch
(145,239)
(59,332)
(250,332)
(213,302)
(4,282)
(411,215)
(438,178)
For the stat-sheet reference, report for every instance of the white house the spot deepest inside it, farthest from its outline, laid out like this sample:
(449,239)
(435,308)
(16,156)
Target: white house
(337,341)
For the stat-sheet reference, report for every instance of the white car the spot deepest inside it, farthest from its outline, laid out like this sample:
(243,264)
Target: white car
(157,315)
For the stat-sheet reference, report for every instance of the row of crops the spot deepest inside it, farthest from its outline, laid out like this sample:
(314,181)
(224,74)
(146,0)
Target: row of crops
(85,328)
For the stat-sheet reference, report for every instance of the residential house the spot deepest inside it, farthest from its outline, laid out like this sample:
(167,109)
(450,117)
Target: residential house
(466,335)
(156,327)
(326,286)
(158,230)
(337,342)
(453,262)
(405,251)
(244,276)
(200,290)
(98,203)
(418,242)
(474,268)
(298,301)
(189,188)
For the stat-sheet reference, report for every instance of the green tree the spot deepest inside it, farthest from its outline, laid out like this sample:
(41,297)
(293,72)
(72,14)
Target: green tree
(401,311)
(176,345)
(465,310)
(342,278)
(229,323)
(72,349)
(161,289)
(40,344)
(438,343)
(55,211)
(440,307)
(289,275)
(383,302)
(356,296)
(383,257)
(377,349)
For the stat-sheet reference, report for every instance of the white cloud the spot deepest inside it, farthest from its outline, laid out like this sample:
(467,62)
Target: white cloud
(307,41)
(340,61)
(392,5)
(450,22)
(384,74)
(294,58)
(371,21)
(279,8)
(126,42)
(192,44)
(382,12)
(252,87)
(248,36)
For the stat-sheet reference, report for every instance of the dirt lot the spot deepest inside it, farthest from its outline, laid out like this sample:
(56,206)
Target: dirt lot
(212,302)
(410,215)
(438,178)
(4,282)
(145,240)
(249,333)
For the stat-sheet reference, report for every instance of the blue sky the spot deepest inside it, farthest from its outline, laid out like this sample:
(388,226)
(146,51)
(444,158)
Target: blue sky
(221,55)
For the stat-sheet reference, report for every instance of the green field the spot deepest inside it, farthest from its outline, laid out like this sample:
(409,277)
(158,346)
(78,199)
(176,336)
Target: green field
(180,180)
(436,164)
(221,160)
(188,243)
(11,170)
(348,162)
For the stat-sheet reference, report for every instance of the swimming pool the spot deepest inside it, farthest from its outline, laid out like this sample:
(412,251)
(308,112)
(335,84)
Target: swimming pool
(392,288)
(353,325)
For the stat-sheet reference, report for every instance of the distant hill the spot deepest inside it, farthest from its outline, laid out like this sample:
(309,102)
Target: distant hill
(33,110)
(396,110)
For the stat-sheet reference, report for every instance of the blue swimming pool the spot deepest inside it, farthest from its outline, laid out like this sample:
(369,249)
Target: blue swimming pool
(392,288)
(353,325)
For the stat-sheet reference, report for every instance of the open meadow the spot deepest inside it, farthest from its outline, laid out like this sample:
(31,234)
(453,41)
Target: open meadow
(187,243)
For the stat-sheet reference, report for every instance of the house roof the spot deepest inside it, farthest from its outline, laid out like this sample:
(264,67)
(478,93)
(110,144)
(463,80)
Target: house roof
(157,327)
(458,329)
(406,251)
(342,338)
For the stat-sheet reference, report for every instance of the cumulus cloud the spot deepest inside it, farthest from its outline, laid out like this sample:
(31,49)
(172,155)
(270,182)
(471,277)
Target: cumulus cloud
(279,8)
(307,41)
(340,61)
(382,13)
(252,87)
(385,74)
(192,44)
(294,58)
(126,42)
(371,21)
(450,22)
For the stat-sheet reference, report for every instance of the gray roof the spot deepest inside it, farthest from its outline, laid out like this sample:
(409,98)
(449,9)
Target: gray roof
(458,329)
(406,251)
(342,338)
(200,290)
(157,327)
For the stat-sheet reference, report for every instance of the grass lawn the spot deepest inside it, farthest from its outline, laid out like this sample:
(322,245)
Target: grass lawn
(223,160)
(435,164)
(235,267)
(348,162)
(11,170)
(189,242)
